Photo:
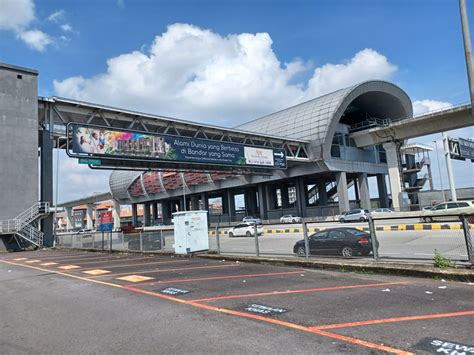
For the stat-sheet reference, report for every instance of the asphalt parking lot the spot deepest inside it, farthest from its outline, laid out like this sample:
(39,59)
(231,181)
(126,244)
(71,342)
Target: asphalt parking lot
(85,302)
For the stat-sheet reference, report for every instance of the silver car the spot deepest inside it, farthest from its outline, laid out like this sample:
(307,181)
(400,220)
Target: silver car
(250,219)
(290,218)
(356,215)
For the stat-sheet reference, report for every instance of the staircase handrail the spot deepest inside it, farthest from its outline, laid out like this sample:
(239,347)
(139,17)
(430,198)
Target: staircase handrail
(31,234)
(33,212)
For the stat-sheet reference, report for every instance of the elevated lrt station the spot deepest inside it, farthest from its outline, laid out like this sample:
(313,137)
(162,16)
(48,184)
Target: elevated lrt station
(300,160)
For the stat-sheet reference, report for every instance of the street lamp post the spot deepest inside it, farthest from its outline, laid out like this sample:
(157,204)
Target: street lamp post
(467,48)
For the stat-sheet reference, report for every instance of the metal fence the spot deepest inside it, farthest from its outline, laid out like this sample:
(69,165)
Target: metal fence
(378,238)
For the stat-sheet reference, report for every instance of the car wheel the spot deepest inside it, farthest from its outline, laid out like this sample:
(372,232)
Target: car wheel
(346,252)
(470,219)
(248,234)
(342,220)
(301,251)
(428,219)
(294,221)
(362,219)
(231,235)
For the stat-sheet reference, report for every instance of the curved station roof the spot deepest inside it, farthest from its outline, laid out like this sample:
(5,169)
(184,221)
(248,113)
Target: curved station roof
(315,121)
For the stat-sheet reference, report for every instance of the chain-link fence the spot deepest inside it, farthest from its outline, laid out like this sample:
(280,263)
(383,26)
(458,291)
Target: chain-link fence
(381,237)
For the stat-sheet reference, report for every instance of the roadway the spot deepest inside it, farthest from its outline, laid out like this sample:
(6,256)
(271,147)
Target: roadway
(87,303)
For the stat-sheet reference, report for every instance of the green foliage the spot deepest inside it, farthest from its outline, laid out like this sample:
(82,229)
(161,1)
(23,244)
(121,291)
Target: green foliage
(170,154)
(442,262)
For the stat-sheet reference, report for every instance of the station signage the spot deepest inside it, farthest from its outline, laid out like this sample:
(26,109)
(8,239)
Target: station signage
(102,142)
(466,148)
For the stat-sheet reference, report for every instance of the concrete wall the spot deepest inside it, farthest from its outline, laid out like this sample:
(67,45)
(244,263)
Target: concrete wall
(428,198)
(18,140)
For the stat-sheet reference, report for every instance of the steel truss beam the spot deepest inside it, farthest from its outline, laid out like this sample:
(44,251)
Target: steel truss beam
(58,112)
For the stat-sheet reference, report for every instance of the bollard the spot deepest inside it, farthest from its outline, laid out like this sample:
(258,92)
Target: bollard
(141,242)
(110,241)
(257,248)
(373,238)
(306,240)
(93,240)
(123,241)
(467,237)
(218,240)
(102,241)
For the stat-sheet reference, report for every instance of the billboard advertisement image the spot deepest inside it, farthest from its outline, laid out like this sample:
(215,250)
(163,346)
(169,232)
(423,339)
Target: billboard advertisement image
(102,141)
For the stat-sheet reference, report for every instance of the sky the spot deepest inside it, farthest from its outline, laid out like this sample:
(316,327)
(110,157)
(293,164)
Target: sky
(227,62)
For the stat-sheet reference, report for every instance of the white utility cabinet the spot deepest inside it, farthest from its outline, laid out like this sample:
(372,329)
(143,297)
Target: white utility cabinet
(190,231)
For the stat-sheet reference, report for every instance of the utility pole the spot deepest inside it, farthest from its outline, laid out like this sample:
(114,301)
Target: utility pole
(467,49)
(439,170)
(449,167)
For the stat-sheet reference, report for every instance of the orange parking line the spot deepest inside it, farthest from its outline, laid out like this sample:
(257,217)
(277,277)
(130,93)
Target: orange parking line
(275,321)
(320,289)
(228,311)
(220,278)
(139,264)
(361,342)
(166,270)
(391,320)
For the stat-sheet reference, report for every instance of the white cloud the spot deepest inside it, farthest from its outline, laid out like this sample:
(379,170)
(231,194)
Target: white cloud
(16,15)
(56,16)
(66,27)
(424,106)
(366,64)
(192,73)
(36,39)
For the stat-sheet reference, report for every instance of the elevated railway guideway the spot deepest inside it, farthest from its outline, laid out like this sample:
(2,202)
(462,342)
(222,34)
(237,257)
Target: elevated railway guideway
(392,133)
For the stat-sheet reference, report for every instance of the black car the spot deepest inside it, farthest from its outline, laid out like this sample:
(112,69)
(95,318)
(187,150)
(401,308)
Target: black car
(336,241)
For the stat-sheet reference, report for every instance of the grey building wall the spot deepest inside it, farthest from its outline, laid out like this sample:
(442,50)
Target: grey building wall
(18,140)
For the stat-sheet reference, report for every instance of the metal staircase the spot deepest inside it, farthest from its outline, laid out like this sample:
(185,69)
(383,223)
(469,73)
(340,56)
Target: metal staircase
(23,224)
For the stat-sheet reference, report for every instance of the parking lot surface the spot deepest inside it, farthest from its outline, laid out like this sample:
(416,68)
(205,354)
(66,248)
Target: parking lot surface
(85,302)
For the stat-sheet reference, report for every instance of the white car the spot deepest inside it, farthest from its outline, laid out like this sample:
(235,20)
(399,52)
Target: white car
(381,210)
(289,218)
(448,211)
(250,219)
(245,230)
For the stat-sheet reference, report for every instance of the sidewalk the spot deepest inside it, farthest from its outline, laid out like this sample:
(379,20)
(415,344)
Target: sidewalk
(395,267)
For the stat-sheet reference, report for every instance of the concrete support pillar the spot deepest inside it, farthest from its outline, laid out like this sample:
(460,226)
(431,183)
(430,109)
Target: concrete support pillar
(154,212)
(146,214)
(364,190)
(285,200)
(230,199)
(342,194)
(301,196)
(262,201)
(194,203)
(165,211)
(69,224)
(46,185)
(322,193)
(252,201)
(394,174)
(356,190)
(382,188)
(204,201)
(134,215)
(89,221)
(116,214)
